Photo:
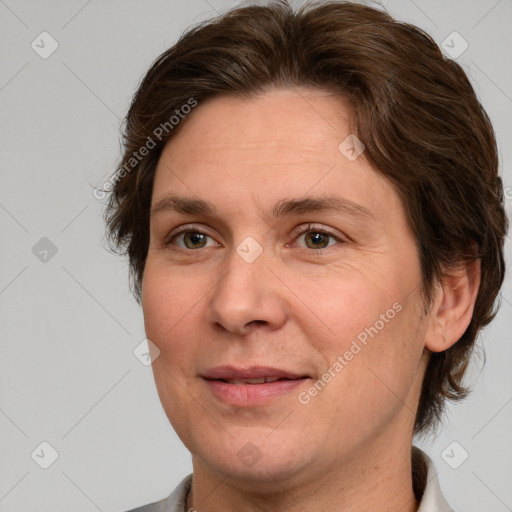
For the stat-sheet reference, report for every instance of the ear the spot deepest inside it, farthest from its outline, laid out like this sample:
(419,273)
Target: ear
(453,306)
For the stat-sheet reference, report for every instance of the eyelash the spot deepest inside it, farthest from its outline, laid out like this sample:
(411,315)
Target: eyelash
(311,228)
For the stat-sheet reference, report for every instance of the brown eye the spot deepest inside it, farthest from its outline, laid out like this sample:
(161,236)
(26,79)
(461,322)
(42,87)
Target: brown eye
(190,239)
(317,239)
(194,239)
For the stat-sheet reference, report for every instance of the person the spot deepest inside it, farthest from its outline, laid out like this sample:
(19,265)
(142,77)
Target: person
(310,202)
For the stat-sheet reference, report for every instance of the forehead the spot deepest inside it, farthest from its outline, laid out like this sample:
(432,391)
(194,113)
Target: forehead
(299,118)
(278,145)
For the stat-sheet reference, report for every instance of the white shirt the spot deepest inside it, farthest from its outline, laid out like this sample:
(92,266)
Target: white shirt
(431,501)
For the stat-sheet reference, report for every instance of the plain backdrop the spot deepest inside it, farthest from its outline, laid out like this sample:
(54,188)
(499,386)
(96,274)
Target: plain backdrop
(69,326)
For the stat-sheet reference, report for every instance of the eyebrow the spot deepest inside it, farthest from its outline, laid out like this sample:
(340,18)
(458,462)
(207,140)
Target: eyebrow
(324,203)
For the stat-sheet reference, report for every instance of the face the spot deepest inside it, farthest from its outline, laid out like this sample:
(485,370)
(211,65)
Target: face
(281,257)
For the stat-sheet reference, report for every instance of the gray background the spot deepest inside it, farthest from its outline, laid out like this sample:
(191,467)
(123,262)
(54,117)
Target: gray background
(68,375)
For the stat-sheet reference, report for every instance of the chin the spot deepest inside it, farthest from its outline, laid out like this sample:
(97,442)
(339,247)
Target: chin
(250,462)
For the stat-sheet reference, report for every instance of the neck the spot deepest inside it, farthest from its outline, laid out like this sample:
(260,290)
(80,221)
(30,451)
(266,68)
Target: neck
(382,481)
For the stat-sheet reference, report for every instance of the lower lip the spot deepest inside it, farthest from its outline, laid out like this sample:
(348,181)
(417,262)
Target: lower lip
(252,394)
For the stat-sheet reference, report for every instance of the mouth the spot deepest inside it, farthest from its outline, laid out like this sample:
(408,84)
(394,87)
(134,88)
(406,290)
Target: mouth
(262,380)
(251,375)
(252,386)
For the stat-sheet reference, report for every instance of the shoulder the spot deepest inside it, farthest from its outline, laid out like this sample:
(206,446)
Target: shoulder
(175,502)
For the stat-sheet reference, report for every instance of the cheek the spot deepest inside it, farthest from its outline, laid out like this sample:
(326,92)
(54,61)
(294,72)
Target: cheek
(371,322)
(341,306)
(168,313)
(169,307)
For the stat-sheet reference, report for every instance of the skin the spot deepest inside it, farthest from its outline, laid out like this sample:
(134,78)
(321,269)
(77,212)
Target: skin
(293,308)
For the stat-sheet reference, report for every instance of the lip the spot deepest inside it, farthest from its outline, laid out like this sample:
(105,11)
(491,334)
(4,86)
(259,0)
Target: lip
(253,372)
(250,395)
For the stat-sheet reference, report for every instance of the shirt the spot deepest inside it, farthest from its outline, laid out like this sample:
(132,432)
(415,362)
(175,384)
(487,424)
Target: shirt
(426,487)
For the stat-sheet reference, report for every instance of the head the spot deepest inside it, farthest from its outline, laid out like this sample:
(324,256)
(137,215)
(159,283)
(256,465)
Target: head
(253,112)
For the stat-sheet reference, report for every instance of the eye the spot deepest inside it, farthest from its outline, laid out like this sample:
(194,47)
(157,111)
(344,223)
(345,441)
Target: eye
(189,238)
(318,238)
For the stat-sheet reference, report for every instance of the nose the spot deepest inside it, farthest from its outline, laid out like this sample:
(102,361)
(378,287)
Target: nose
(248,296)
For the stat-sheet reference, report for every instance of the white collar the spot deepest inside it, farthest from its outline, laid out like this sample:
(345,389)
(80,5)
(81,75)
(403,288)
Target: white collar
(433,499)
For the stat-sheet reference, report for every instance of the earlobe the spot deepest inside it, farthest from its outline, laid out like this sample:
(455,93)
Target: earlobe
(453,306)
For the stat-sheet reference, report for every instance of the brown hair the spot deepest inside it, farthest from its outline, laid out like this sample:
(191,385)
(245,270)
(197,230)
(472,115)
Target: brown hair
(414,109)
